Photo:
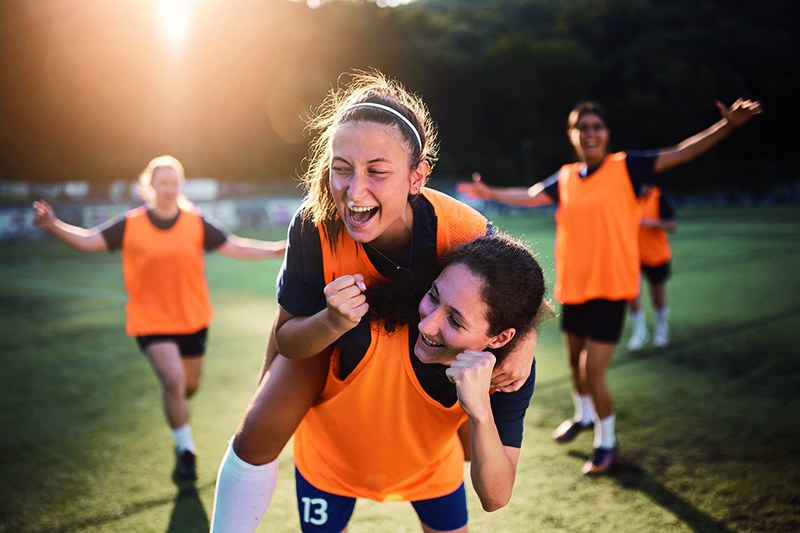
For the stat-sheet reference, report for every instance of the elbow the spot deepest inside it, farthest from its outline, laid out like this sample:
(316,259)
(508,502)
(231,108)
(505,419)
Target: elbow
(494,502)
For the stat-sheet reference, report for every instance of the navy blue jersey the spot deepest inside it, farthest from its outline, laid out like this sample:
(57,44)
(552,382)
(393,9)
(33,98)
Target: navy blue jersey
(114,230)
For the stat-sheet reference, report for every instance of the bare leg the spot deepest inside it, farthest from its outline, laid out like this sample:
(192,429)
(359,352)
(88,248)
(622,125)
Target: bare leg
(286,393)
(594,366)
(166,361)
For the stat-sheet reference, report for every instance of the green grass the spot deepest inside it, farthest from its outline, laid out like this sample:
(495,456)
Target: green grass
(708,428)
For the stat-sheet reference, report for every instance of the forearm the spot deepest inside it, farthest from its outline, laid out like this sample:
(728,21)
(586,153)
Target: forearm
(693,147)
(303,337)
(84,240)
(251,249)
(492,470)
(520,196)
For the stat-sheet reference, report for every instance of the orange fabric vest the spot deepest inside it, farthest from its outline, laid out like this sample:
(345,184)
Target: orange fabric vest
(597,234)
(377,434)
(346,444)
(457,223)
(654,248)
(164,273)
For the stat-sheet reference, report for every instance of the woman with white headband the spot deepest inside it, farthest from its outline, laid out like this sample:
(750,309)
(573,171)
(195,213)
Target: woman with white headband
(365,218)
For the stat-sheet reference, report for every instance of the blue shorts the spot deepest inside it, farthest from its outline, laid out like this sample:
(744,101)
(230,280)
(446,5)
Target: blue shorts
(192,345)
(323,512)
(599,320)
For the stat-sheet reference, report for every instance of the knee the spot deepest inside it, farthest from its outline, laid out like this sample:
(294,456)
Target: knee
(251,450)
(174,386)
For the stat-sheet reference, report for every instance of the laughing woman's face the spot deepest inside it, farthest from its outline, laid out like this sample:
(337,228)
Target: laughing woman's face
(370,180)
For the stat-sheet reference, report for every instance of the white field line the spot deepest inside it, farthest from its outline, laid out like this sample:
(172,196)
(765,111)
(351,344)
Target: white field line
(66,288)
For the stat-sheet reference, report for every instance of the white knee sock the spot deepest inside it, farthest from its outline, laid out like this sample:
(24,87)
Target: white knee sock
(183,438)
(243,494)
(604,436)
(584,408)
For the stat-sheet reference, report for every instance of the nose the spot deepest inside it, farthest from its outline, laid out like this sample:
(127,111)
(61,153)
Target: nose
(429,324)
(357,188)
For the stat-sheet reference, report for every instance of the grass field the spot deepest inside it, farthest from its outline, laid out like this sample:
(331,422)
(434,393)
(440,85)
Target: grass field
(708,428)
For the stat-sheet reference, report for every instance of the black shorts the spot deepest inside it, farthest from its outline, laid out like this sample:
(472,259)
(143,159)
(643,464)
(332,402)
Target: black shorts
(657,274)
(599,320)
(192,345)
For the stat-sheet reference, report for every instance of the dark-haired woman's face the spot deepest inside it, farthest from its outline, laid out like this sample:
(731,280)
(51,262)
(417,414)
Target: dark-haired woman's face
(590,137)
(452,317)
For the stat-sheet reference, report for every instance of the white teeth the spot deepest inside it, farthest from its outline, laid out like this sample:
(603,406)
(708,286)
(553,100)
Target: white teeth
(430,342)
(361,209)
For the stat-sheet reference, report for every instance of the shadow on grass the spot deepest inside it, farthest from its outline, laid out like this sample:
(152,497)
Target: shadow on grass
(632,477)
(188,515)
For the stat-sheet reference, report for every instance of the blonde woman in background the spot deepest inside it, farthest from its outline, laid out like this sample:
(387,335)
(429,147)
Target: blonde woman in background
(162,244)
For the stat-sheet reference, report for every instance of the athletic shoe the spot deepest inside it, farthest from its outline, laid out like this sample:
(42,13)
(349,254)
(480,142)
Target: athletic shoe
(186,468)
(569,429)
(661,335)
(638,339)
(600,461)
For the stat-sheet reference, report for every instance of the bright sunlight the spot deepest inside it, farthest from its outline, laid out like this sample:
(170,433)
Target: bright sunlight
(174,16)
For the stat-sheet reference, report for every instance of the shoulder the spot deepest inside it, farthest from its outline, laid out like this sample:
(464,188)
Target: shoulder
(447,207)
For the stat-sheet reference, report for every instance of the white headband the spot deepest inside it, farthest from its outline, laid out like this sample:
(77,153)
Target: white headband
(389,109)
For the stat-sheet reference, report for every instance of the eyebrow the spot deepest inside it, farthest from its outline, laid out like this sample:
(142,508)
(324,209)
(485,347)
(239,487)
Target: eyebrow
(376,160)
(452,309)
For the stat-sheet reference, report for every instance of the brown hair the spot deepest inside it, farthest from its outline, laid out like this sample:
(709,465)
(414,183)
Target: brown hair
(373,87)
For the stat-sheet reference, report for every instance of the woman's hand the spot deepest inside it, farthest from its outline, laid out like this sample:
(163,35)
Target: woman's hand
(472,374)
(346,301)
(740,112)
(477,190)
(43,215)
(515,368)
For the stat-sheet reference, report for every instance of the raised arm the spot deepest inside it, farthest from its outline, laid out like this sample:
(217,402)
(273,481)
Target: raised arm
(493,468)
(300,337)
(84,240)
(733,117)
(518,196)
(251,249)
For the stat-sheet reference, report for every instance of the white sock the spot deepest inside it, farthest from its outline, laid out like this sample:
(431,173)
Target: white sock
(604,436)
(662,314)
(584,408)
(243,494)
(638,321)
(183,438)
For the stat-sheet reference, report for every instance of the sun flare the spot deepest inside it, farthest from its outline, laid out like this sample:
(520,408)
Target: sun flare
(174,16)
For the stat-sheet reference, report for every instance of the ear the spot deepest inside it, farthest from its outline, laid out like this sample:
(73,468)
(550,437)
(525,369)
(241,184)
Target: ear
(503,338)
(418,176)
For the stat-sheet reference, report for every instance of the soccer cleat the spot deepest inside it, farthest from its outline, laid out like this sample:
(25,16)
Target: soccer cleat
(661,335)
(600,461)
(186,467)
(568,430)
(638,339)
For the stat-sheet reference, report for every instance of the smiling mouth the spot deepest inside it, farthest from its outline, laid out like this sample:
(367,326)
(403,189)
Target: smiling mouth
(360,215)
(429,343)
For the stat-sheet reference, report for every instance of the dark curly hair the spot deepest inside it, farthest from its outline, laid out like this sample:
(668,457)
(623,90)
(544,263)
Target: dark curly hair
(513,288)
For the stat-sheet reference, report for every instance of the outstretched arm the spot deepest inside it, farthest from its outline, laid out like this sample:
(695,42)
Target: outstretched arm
(243,249)
(733,117)
(84,240)
(518,196)
(493,468)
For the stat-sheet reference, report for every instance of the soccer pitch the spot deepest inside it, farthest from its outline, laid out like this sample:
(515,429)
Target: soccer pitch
(708,428)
